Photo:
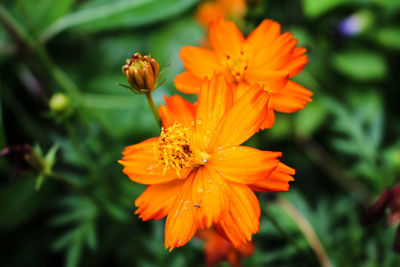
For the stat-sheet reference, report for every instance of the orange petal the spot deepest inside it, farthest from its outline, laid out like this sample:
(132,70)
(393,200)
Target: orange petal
(247,249)
(277,181)
(187,83)
(180,226)
(177,110)
(225,37)
(243,220)
(240,89)
(210,197)
(216,248)
(275,51)
(269,120)
(265,34)
(200,62)
(245,165)
(297,61)
(279,53)
(215,98)
(142,165)
(272,53)
(291,98)
(242,120)
(272,80)
(156,201)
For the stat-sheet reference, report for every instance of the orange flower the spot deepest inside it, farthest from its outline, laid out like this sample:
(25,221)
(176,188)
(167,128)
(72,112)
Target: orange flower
(218,249)
(197,172)
(211,10)
(265,57)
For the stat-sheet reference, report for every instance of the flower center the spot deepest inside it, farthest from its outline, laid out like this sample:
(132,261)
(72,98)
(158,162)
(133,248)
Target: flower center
(175,152)
(236,65)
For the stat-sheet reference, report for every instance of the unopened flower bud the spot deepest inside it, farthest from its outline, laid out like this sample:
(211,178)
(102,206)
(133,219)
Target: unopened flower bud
(141,72)
(59,103)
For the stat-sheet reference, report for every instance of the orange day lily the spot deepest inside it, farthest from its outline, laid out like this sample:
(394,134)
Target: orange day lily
(265,57)
(197,173)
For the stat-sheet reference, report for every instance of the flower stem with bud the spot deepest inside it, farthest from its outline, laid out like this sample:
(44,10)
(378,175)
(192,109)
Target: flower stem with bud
(153,108)
(141,72)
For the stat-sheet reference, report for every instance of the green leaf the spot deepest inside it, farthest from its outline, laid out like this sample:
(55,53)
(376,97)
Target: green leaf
(389,37)
(315,8)
(74,254)
(81,214)
(63,241)
(50,158)
(18,202)
(309,119)
(360,65)
(281,129)
(118,14)
(91,238)
(39,14)
(39,182)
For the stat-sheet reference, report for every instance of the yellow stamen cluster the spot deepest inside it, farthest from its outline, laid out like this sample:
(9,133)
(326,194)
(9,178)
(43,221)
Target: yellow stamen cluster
(174,149)
(236,66)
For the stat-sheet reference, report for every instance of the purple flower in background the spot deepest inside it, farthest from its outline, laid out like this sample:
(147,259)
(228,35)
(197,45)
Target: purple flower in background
(355,23)
(351,25)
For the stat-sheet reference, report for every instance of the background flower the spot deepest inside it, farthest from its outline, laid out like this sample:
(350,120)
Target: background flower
(211,10)
(265,57)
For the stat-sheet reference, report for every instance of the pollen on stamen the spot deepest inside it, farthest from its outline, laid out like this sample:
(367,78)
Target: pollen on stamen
(236,65)
(173,148)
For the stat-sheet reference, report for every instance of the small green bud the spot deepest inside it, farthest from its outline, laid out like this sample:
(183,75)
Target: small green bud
(59,103)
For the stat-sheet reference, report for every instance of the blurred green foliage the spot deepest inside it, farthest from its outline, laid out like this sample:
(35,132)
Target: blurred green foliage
(345,145)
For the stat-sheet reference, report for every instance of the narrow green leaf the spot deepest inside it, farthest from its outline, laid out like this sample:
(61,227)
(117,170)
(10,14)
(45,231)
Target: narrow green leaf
(389,37)
(315,8)
(311,118)
(360,65)
(41,13)
(118,14)
(64,240)
(91,239)
(74,254)
(39,182)
(50,157)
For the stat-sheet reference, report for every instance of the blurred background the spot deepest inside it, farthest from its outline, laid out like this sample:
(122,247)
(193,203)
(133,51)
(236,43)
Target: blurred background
(64,200)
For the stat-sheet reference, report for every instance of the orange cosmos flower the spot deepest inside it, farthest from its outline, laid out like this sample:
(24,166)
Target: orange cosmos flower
(211,10)
(197,172)
(217,249)
(265,57)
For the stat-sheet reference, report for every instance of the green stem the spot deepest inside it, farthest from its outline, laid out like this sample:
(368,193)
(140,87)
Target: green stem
(15,30)
(153,108)
(284,234)
(307,230)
